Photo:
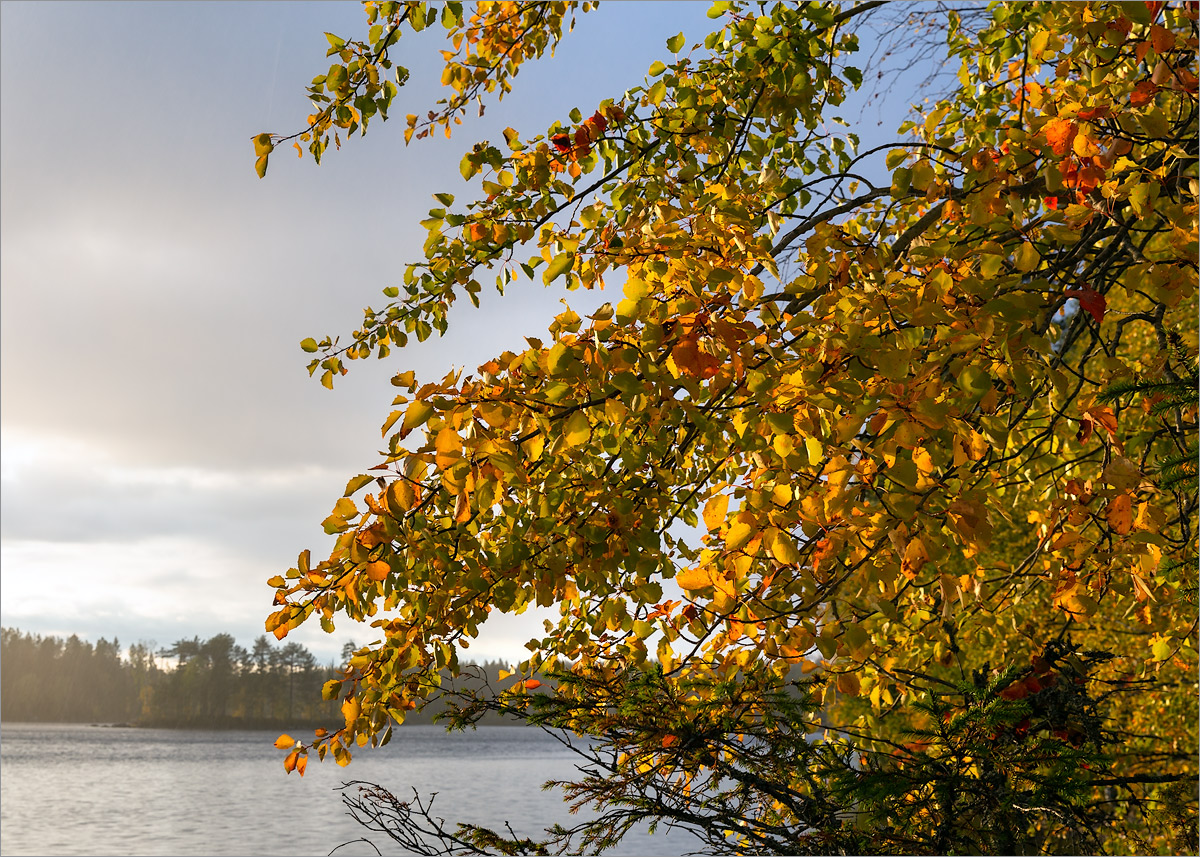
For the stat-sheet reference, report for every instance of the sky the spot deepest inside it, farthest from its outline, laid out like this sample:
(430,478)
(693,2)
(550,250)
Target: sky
(163,451)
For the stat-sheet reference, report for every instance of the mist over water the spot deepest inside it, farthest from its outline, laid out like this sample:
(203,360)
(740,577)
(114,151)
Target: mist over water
(71,789)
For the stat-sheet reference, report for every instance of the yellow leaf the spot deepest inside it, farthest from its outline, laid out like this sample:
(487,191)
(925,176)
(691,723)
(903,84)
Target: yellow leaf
(694,578)
(857,640)
(351,708)
(448,442)
(1027,257)
(533,447)
(714,511)
(390,421)
(847,683)
(577,431)
(283,742)
(815,450)
(739,535)
(418,412)
(784,549)
(915,556)
(400,497)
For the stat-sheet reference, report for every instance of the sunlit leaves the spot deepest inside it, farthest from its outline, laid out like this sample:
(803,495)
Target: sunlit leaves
(841,429)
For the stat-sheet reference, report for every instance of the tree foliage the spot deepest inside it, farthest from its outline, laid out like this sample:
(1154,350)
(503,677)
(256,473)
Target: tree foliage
(853,415)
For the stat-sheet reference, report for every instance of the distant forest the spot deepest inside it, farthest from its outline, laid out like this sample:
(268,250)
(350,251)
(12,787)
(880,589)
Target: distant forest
(207,684)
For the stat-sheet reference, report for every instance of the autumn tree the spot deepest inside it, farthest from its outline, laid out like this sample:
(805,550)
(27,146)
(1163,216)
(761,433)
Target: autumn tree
(905,434)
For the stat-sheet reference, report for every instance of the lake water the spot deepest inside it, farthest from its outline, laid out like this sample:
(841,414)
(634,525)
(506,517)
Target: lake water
(68,789)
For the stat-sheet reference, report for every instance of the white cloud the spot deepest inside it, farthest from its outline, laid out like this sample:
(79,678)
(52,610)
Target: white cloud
(164,451)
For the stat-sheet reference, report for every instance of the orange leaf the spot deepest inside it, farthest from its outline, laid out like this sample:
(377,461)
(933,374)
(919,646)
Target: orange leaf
(285,741)
(378,570)
(372,535)
(301,764)
(289,764)
(1059,134)
(1120,514)
(532,684)
(1161,39)
(462,509)
(1104,417)
(1143,93)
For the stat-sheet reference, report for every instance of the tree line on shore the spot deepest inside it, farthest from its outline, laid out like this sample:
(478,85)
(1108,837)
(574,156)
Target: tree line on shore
(212,683)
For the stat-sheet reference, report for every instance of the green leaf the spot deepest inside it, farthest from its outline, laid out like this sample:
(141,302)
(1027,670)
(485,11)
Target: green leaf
(895,158)
(559,359)
(444,198)
(657,68)
(558,266)
(675,43)
(974,382)
(335,42)
(263,144)
(1139,13)
(1160,647)
(309,344)
(260,166)
(336,78)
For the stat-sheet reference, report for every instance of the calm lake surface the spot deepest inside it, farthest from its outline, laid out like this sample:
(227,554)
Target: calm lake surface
(68,789)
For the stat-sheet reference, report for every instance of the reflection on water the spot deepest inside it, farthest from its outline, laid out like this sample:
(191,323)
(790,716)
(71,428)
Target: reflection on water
(70,789)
